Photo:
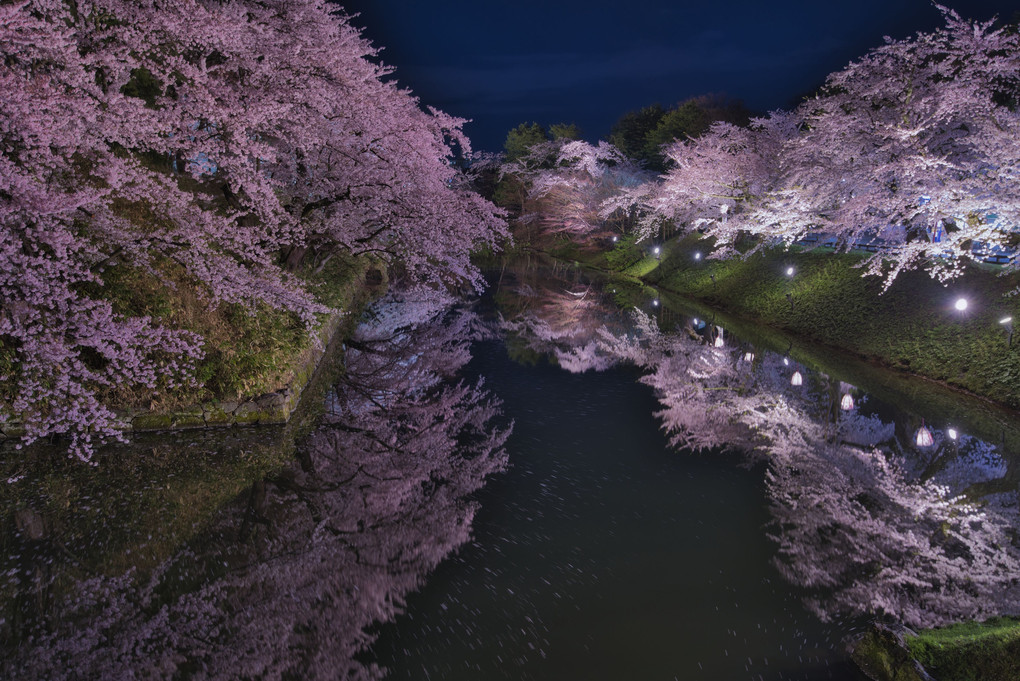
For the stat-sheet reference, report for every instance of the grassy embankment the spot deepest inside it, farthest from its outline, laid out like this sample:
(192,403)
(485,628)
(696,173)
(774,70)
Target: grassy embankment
(911,327)
(971,651)
(248,350)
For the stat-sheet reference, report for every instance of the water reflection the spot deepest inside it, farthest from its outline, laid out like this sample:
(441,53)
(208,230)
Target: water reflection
(865,518)
(285,579)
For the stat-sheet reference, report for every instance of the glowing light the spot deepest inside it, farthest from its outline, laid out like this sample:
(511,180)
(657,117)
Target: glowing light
(952,433)
(614,239)
(789,271)
(924,437)
(847,403)
(697,256)
(786,361)
(1006,320)
(748,356)
(655,302)
(796,379)
(656,250)
(961,304)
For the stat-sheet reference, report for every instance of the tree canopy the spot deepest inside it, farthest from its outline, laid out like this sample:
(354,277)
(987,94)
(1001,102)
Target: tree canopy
(213,136)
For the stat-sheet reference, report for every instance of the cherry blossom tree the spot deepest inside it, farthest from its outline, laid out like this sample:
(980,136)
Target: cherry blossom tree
(911,149)
(572,198)
(723,182)
(215,136)
(920,135)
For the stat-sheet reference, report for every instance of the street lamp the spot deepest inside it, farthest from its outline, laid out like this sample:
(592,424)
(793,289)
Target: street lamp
(960,304)
(790,271)
(697,255)
(656,251)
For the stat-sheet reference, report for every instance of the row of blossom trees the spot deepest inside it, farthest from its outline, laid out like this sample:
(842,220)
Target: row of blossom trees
(234,139)
(914,148)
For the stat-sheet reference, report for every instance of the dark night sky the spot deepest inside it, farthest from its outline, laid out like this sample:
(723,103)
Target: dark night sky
(588,61)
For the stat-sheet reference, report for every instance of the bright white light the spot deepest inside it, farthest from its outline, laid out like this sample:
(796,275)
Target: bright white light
(952,433)
(796,379)
(695,320)
(1006,320)
(786,361)
(697,256)
(655,303)
(748,356)
(656,250)
(961,304)
(789,271)
(614,239)
(847,403)
(924,437)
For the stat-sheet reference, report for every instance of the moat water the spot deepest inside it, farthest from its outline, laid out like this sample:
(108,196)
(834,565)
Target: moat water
(568,479)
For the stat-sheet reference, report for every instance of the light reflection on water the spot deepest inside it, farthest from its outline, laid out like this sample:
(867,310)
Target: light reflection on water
(281,580)
(680,574)
(602,554)
(608,550)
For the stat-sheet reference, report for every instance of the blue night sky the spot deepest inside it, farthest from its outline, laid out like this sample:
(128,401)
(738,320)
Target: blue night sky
(587,62)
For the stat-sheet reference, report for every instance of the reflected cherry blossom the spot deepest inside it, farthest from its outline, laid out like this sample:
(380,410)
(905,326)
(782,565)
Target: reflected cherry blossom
(864,518)
(289,577)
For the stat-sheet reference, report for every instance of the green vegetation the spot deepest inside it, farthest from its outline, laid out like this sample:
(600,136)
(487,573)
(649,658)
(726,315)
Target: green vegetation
(640,134)
(883,657)
(971,651)
(250,350)
(912,326)
(989,651)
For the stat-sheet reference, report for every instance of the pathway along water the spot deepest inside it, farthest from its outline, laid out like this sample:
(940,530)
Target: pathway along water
(608,549)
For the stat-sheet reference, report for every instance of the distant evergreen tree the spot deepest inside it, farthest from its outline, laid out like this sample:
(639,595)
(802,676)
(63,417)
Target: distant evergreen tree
(631,130)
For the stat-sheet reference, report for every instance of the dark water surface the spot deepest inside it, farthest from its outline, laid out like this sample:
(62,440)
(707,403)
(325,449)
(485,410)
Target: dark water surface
(604,554)
(570,479)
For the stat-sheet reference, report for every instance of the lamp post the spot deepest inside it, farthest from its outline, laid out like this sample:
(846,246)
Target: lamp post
(1007,323)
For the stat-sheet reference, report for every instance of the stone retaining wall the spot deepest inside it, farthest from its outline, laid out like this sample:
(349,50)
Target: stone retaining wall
(271,408)
(275,407)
